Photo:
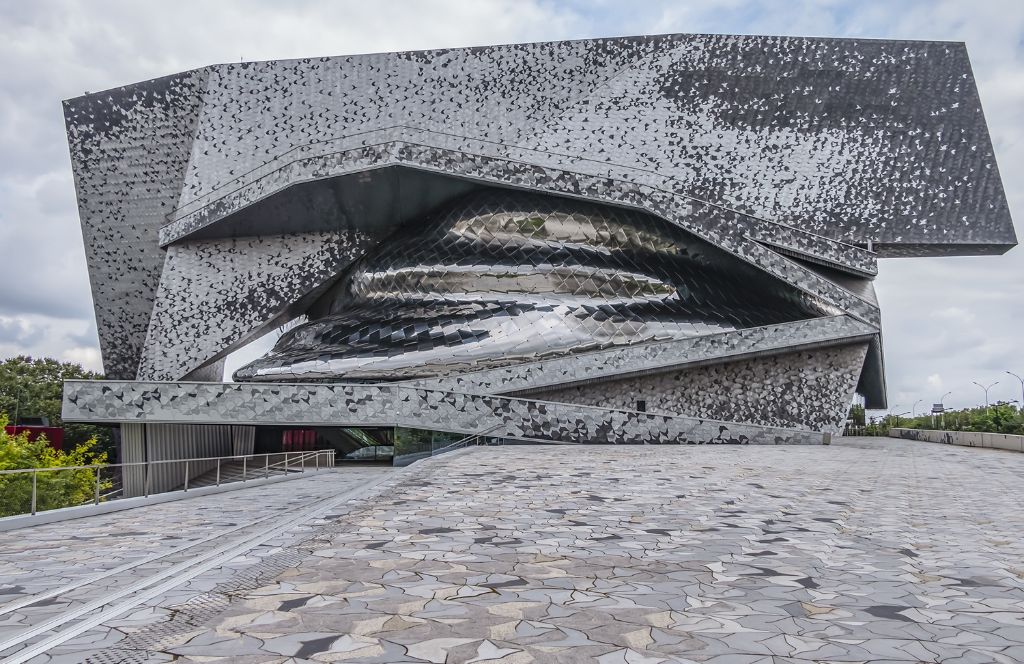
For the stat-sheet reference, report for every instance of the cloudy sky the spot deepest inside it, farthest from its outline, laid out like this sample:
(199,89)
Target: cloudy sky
(946,322)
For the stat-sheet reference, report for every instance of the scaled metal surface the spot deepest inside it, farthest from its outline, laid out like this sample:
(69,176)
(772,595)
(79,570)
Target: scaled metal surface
(504,277)
(533,216)
(267,276)
(809,389)
(395,405)
(656,357)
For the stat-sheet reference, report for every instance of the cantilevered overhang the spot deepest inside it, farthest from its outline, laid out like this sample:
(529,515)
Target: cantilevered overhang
(770,147)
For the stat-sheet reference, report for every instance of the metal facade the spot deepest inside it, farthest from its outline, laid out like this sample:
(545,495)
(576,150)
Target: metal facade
(691,221)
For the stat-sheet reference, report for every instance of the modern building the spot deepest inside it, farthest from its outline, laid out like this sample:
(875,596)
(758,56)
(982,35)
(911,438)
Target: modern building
(666,239)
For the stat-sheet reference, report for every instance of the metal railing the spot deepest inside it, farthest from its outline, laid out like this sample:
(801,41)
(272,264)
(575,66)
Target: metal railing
(481,438)
(418,450)
(863,430)
(42,490)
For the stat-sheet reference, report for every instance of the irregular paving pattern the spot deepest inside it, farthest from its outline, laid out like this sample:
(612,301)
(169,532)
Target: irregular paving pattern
(871,550)
(41,560)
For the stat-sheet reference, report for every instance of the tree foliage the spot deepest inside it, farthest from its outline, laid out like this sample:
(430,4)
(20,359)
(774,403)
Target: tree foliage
(54,488)
(999,418)
(35,387)
(856,415)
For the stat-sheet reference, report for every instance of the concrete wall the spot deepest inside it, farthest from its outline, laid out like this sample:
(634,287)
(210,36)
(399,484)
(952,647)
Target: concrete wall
(1000,441)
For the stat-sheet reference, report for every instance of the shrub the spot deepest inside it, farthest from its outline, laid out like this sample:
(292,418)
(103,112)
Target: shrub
(55,488)
(999,418)
(34,387)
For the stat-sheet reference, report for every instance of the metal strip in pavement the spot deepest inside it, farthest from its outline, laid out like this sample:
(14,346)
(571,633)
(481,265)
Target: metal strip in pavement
(183,571)
(32,599)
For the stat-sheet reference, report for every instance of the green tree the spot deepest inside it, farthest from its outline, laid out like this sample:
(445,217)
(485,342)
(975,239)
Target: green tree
(857,415)
(54,488)
(998,418)
(35,388)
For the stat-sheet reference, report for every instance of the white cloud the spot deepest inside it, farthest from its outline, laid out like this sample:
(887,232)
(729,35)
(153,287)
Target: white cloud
(15,329)
(87,356)
(953,314)
(44,336)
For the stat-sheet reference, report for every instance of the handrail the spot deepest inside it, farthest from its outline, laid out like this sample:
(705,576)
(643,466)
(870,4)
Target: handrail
(464,442)
(156,461)
(306,454)
(299,458)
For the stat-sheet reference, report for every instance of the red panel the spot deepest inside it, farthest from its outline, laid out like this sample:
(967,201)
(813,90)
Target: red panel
(54,435)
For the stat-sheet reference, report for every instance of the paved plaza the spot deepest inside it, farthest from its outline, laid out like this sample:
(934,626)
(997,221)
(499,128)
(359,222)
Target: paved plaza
(870,550)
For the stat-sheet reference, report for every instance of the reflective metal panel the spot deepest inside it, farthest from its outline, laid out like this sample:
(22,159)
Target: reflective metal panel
(503,277)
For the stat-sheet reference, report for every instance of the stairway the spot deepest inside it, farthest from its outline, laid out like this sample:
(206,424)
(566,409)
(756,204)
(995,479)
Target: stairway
(232,471)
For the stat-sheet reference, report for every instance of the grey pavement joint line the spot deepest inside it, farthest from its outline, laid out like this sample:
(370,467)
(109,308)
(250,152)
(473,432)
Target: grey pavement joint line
(34,599)
(179,574)
(869,550)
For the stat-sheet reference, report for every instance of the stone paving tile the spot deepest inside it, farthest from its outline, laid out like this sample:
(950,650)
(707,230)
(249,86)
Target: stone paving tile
(45,558)
(871,550)
(34,559)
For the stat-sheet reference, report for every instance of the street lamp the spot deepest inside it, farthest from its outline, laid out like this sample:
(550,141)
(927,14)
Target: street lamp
(986,390)
(17,405)
(889,413)
(898,415)
(942,412)
(1021,387)
(913,411)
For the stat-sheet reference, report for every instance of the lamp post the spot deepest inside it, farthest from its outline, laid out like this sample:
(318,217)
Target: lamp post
(17,405)
(898,415)
(942,403)
(890,411)
(986,390)
(913,410)
(1021,387)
